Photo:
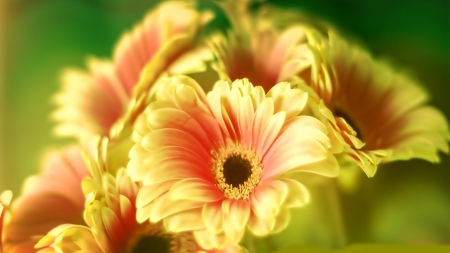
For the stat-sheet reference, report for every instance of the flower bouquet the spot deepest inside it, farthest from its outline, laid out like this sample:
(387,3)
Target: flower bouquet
(197,138)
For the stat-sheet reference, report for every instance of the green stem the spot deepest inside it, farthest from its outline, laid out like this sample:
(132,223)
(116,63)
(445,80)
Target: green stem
(337,214)
(237,13)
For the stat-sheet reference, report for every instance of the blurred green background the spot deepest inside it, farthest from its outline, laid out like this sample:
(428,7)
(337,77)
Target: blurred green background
(406,202)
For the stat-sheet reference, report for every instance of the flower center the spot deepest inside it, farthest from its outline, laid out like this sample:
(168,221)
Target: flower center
(152,244)
(151,238)
(342,114)
(237,170)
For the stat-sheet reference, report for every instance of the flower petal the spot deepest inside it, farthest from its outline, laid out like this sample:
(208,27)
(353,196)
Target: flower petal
(158,138)
(297,196)
(164,207)
(178,119)
(113,227)
(292,102)
(185,221)
(262,116)
(148,193)
(208,240)
(198,110)
(267,198)
(270,133)
(235,217)
(246,114)
(297,149)
(282,220)
(175,168)
(143,213)
(261,226)
(196,190)
(212,217)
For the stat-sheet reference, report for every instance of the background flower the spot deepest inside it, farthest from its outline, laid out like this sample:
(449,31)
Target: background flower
(52,198)
(264,54)
(110,216)
(5,199)
(90,103)
(378,114)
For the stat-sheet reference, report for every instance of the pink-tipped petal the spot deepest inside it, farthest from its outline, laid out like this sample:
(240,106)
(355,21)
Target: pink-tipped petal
(196,190)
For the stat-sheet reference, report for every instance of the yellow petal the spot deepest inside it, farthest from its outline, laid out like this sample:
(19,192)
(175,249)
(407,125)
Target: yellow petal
(148,193)
(235,217)
(260,226)
(292,102)
(212,217)
(246,113)
(164,207)
(282,220)
(208,240)
(143,213)
(267,198)
(186,221)
(297,195)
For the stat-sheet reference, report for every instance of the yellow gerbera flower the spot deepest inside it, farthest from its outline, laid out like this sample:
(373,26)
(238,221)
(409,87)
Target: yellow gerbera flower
(378,114)
(215,163)
(110,215)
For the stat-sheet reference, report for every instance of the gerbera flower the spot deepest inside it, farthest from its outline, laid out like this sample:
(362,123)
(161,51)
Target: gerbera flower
(264,55)
(48,200)
(353,92)
(110,216)
(267,54)
(5,199)
(91,102)
(378,114)
(215,163)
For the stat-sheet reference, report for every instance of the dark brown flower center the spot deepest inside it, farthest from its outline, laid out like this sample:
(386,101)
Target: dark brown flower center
(340,113)
(236,170)
(151,238)
(153,244)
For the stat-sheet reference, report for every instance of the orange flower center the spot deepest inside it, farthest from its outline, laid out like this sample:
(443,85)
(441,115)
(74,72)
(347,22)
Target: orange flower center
(237,170)
(151,238)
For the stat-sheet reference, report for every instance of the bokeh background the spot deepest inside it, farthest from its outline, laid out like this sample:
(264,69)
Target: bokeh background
(406,202)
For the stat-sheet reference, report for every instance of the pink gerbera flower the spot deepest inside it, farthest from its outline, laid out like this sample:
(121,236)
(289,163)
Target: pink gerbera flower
(48,200)
(264,55)
(91,102)
(5,199)
(215,163)
(110,216)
